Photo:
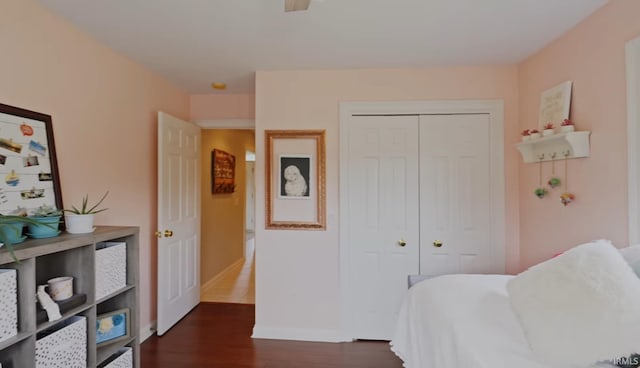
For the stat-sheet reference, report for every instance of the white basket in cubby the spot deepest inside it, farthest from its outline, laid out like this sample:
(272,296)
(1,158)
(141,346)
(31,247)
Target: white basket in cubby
(65,346)
(111,268)
(124,359)
(8,304)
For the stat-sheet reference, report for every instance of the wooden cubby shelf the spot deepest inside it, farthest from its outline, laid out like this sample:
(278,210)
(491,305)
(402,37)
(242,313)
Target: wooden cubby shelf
(71,255)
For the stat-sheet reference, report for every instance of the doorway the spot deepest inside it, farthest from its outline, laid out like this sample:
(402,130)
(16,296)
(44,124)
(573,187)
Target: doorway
(227,248)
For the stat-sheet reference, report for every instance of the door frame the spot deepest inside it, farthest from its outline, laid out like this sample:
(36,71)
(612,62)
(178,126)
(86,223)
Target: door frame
(633,137)
(495,110)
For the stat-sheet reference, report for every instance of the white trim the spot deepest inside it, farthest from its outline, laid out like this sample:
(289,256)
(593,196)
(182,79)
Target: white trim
(220,275)
(147,331)
(298,334)
(633,137)
(227,124)
(495,109)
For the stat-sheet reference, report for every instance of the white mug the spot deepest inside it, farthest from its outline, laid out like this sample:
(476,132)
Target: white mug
(61,288)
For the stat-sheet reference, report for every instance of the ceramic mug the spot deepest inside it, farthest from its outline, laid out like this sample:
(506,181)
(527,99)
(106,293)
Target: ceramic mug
(61,288)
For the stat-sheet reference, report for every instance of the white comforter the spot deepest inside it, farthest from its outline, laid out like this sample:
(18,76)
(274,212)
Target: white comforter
(458,321)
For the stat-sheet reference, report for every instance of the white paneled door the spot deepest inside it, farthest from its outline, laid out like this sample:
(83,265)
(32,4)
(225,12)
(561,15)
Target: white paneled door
(383,219)
(455,195)
(419,196)
(178,219)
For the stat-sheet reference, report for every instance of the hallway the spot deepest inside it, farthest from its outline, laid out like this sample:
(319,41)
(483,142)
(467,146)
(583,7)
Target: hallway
(237,283)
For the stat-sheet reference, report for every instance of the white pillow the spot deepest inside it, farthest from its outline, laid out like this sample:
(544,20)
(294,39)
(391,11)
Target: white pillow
(580,307)
(632,256)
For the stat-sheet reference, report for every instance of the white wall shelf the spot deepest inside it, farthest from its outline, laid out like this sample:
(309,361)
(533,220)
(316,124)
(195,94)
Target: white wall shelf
(556,147)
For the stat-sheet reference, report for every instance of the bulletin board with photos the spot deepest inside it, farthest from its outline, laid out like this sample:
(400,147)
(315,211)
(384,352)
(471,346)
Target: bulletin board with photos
(28,166)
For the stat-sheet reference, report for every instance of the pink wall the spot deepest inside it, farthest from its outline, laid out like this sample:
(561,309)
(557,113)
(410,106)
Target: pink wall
(302,267)
(592,55)
(217,106)
(104,118)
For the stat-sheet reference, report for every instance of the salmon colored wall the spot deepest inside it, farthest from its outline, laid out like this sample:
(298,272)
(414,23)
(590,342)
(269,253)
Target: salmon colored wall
(302,267)
(223,215)
(104,119)
(592,55)
(216,106)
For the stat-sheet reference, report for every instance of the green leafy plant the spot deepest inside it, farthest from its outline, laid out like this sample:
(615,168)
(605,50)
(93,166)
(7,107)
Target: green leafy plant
(85,209)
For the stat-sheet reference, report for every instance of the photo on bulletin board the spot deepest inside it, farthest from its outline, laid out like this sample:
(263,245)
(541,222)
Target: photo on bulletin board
(28,166)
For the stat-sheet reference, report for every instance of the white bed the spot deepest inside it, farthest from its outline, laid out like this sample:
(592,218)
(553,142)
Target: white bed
(458,321)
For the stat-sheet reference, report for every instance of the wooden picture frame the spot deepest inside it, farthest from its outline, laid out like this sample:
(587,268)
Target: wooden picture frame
(295,169)
(29,174)
(555,105)
(223,172)
(113,326)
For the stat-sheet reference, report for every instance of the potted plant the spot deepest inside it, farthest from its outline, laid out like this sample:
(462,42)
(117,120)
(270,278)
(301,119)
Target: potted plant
(80,220)
(526,135)
(540,192)
(548,129)
(48,219)
(534,133)
(11,227)
(567,126)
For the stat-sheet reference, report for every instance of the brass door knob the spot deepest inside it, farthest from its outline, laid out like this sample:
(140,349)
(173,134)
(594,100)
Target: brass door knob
(437,243)
(158,234)
(168,233)
(402,242)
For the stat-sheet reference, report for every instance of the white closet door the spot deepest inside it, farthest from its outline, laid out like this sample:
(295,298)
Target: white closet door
(455,195)
(383,219)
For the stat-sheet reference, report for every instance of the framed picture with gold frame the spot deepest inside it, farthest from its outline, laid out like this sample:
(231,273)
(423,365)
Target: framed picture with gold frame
(295,179)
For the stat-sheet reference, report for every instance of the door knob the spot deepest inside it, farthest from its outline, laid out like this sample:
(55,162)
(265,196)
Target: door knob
(437,243)
(168,233)
(402,242)
(158,234)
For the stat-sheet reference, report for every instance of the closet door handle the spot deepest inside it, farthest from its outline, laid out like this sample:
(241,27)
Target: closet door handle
(402,242)
(437,243)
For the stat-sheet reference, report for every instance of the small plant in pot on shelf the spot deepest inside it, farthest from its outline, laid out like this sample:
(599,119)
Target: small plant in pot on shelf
(11,228)
(534,133)
(548,129)
(526,135)
(48,220)
(80,220)
(567,126)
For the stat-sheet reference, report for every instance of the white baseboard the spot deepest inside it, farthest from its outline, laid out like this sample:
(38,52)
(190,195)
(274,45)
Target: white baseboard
(300,334)
(147,331)
(219,276)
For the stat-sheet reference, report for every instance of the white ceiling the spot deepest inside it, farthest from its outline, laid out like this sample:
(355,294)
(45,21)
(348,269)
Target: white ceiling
(195,42)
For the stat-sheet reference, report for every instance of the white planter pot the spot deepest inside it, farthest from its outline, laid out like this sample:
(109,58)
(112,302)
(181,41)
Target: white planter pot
(526,138)
(534,135)
(79,224)
(567,128)
(547,132)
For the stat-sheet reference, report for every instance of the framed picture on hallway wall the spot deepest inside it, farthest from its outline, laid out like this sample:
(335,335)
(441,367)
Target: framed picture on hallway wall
(28,166)
(223,172)
(295,169)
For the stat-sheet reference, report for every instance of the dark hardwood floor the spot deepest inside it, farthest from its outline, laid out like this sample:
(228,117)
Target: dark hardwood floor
(219,335)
